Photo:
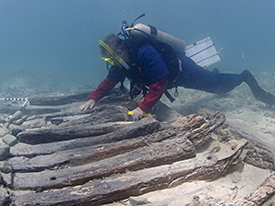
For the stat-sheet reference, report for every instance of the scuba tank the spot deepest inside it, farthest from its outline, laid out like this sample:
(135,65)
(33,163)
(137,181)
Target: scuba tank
(164,43)
(140,30)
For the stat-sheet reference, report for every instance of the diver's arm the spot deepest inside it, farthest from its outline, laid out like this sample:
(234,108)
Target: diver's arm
(154,94)
(156,71)
(103,89)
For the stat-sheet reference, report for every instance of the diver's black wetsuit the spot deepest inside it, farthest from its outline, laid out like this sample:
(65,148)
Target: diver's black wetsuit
(153,72)
(195,77)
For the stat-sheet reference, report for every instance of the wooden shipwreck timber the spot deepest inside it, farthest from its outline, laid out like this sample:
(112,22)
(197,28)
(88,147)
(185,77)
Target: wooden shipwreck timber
(64,157)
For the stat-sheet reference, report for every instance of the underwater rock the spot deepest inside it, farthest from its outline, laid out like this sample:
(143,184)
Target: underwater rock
(4,196)
(6,173)
(15,129)
(195,201)
(138,201)
(3,130)
(9,140)
(5,167)
(4,118)
(4,151)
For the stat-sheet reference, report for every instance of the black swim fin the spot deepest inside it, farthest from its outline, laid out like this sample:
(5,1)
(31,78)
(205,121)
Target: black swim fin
(257,91)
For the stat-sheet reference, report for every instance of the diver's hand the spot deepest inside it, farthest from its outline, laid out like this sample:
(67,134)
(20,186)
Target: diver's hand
(137,114)
(87,105)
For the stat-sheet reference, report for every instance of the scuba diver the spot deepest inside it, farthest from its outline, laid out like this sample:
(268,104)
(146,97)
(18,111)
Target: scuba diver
(153,66)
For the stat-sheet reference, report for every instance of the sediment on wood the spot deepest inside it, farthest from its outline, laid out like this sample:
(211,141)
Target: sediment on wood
(85,155)
(165,152)
(54,134)
(121,186)
(262,193)
(58,99)
(143,127)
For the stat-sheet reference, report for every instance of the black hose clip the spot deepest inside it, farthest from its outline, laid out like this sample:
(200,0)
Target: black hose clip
(123,29)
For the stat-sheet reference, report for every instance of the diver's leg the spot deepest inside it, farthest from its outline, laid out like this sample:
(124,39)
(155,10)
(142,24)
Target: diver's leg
(257,91)
(196,77)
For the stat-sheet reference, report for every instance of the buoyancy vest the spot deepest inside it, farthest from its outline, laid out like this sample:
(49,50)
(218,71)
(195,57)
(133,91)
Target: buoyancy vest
(167,53)
(167,46)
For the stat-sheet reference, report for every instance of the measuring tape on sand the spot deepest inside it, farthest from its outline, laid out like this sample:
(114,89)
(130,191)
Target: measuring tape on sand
(13,99)
(16,99)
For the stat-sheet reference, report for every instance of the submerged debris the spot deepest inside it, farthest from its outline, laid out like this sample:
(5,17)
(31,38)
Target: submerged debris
(73,158)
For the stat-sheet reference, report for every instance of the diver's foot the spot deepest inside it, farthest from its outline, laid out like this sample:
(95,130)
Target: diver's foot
(267,98)
(249,78)
(257,91)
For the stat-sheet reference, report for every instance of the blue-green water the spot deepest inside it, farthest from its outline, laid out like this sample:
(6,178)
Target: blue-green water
(54,43)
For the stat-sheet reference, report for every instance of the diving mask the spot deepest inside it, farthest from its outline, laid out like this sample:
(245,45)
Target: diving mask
(113,54)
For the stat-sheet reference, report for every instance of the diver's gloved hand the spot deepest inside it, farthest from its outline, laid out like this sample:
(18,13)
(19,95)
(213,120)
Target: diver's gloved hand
(87,105)
(137,114)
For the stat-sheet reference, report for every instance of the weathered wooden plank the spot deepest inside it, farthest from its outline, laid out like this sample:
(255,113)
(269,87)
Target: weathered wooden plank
(259,151)
(116,96)
(165,152)
(64,110)
(85,155)
(38,110)
(202,132)
(58,99)
(53,134)
(44,116)
(101,114)
(199,128)
(143,127)
(262,193)
(122,186)
(41,116)
(57,159)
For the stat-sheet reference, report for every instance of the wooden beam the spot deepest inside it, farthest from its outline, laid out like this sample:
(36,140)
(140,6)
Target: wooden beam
(262,193)
(165,152)
(143,127)
(85,155)
(54,134)
(121,186)
(59,99)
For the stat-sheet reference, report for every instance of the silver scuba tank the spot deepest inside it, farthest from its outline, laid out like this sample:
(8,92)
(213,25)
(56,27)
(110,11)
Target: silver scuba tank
(140,30)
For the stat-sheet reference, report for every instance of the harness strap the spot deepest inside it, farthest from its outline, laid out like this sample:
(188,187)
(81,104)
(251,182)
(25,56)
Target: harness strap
(169,96)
